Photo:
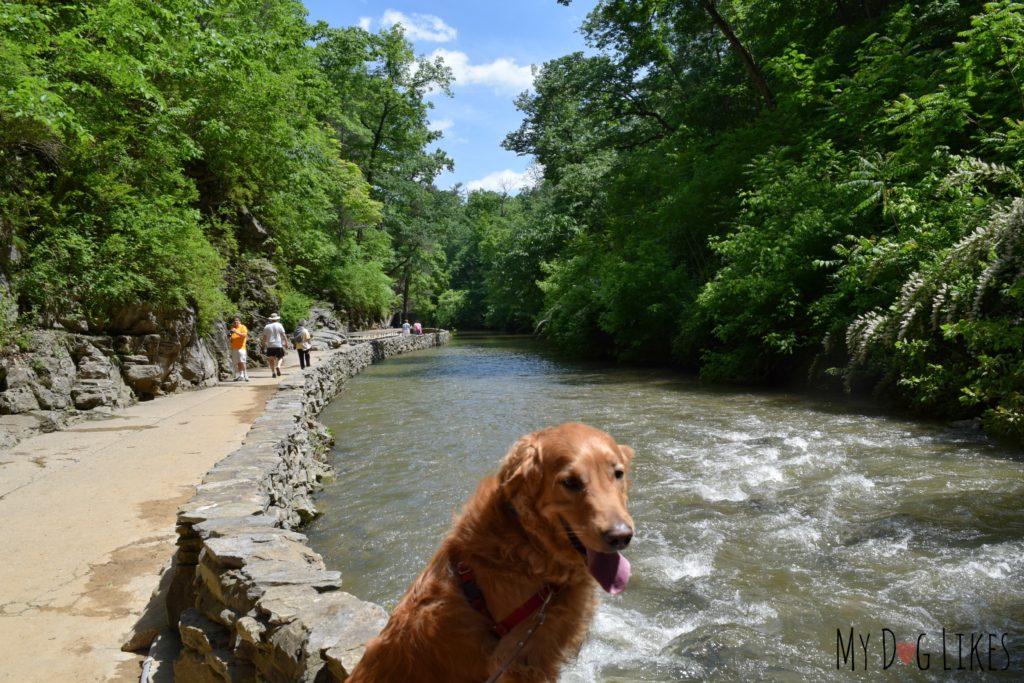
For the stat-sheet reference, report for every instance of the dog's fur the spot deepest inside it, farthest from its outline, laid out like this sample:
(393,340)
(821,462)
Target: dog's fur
(512,535)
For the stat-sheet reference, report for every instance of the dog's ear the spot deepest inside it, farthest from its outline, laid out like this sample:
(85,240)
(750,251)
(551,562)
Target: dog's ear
(626,452)
(521,468)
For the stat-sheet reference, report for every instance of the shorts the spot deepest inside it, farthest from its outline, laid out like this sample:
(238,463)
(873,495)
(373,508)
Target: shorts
(239,356)
(275,351)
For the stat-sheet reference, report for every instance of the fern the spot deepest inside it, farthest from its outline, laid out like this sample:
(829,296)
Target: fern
(865,331)
(972,170)
(969,271)
(877,174)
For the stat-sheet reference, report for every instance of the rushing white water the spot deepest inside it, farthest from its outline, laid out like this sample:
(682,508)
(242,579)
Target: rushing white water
(776,533)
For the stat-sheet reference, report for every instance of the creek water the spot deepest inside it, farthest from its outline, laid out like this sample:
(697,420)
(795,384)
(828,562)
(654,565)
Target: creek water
(779,536)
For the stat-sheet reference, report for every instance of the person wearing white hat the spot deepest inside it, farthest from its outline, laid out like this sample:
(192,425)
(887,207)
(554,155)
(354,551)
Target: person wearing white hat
(275,339)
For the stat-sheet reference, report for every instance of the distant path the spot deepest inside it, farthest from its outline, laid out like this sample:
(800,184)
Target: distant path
(87,521)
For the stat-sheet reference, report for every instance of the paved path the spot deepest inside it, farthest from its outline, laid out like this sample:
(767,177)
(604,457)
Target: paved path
(87,520)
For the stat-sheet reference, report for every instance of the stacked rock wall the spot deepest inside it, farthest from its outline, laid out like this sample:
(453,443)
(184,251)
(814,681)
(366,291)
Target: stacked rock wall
(251,601)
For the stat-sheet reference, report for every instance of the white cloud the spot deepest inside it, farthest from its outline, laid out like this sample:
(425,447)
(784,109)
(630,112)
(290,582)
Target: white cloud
(441,125)
(502,74)
(365,23)
(420,26)
(504,181)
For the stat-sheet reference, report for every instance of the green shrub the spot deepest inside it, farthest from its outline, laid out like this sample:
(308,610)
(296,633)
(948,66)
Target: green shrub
(294,307)
(450,306)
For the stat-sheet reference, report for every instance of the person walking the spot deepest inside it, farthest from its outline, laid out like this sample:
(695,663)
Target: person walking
(238,335)
(300,340)
(275,340)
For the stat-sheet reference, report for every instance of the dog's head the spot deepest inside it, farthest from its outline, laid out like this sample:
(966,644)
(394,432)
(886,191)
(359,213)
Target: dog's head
(571,482)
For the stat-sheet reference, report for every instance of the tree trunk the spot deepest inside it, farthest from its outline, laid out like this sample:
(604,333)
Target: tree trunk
(753,70)
(405,295)
(378,141)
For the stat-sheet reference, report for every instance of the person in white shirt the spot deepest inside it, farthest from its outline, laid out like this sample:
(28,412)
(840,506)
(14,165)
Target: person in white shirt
(275,340)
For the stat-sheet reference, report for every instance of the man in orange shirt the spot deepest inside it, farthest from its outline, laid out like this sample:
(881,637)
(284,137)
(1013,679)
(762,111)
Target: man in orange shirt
(239,333)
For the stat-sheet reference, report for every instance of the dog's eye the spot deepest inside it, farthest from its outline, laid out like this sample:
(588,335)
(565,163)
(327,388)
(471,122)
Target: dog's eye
(620,473)
(572,484)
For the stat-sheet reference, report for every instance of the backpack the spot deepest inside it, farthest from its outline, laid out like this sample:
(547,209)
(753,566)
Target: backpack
(297,335)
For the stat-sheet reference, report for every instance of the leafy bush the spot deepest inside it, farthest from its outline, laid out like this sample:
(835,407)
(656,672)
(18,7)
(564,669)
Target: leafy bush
(775,265)
(450,306)
(294,307)
(952,341)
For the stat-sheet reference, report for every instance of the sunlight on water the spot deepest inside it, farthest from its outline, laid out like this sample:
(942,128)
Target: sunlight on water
(767,522)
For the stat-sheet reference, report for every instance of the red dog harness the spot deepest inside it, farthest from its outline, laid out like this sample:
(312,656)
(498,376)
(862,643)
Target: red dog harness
(471,589)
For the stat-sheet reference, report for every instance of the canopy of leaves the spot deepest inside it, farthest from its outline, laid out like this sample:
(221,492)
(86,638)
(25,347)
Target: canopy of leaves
(767,191)
(150,151)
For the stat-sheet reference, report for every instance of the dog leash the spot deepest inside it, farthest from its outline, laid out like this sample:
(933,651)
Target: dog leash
(500,629)
(522,642)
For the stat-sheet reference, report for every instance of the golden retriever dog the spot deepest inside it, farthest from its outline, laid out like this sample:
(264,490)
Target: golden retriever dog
(510,593)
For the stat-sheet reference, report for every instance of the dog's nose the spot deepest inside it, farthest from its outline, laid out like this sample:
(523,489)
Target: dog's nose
(619,536)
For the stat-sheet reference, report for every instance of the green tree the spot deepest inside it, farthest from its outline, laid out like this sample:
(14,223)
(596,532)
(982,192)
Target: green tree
(383,127)
(145,145)
(801,190)
(93,186)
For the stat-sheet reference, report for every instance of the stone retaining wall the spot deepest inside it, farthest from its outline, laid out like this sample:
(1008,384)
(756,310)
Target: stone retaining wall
(251,601)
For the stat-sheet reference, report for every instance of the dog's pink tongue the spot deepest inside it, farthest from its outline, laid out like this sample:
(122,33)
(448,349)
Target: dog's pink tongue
(610,569)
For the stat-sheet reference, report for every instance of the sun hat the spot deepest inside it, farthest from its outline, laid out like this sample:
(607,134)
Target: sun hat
(274,317)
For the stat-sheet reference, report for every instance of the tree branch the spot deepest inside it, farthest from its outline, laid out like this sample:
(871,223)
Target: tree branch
(753,70)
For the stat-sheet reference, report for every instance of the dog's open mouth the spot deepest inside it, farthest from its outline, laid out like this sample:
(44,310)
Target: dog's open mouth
(610,570)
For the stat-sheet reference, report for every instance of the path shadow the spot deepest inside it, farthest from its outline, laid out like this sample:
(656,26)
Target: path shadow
(153,636)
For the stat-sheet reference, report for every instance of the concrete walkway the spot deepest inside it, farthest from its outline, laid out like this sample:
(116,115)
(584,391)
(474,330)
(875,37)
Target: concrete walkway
(87,521)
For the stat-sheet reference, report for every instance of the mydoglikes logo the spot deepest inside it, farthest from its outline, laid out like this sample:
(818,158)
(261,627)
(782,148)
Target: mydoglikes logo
(948,651)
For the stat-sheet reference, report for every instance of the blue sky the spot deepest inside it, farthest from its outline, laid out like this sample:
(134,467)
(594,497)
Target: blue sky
(490,45)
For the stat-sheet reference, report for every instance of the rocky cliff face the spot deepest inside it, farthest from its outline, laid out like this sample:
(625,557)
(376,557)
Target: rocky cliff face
(55,376)
(83,368)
